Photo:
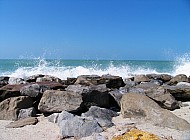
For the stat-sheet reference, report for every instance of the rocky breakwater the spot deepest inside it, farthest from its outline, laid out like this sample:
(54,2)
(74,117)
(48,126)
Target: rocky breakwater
(86,104)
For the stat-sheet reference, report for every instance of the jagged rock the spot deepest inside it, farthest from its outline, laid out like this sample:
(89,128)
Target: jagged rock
(141,78)
(141,107)
(180,92)
(112,81)
(16,81)
(160,95)
(33,78)
(51,85)
(88,80)
(76,98)
(23,122)
(49,78)
(33,90)
(162,77)
(117,95)
(57,101)
(3,80)
(102,115)
(9,108)
(178,78)
(69,81)
(79,127)
(26,113)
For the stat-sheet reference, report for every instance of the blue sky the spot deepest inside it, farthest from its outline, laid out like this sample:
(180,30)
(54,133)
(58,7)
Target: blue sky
(94,29)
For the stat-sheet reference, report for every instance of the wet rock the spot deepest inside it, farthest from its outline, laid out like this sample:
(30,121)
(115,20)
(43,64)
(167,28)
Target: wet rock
(178,78)
(162,77)
(9,108)
(49,78)
(3,80)
(16,81)
(102,115)
(112,81)
(141,78)
(33,78)
(23,122)
(88,80)
(141,107)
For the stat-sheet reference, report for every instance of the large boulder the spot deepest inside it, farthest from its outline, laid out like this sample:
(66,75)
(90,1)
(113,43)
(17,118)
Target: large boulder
(142,107)
(8,91)
(102,115)
(180,92)
(33,90)
(112,81)
(79,127)
(88,80)
(141,78)
(9,108)
(162,77)
(76,99)
(57,101)
(160,95)
(178,78)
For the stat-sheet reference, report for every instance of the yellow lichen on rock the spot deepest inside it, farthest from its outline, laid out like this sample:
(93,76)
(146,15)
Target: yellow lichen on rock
(135,134)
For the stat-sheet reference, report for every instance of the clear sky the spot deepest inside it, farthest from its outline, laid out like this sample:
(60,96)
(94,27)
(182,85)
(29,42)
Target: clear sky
(94,29)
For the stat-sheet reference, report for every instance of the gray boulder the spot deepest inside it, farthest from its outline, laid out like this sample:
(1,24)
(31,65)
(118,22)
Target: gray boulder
(9,108)
(102,115)
(162,77)
(26,113)
(79,127)
(33,90)
(141,107)
(33,78)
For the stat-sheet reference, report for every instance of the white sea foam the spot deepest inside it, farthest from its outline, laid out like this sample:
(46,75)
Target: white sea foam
(181,66)
(67,71)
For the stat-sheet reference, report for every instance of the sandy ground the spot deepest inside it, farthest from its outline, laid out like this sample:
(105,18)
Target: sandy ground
(45,130)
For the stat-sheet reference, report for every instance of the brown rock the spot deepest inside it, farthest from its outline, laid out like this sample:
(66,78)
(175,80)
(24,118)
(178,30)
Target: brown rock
(141,78)
(23,122)
(141,107)
(9,108)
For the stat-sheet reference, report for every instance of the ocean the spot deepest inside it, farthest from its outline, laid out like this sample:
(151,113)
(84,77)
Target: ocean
(23,68)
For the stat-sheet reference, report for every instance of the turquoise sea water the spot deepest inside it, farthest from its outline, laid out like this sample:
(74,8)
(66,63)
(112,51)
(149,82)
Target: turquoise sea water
(72,68)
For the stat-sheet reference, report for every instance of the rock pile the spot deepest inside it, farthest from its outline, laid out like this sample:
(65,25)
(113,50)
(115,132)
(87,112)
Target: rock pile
(85,105)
